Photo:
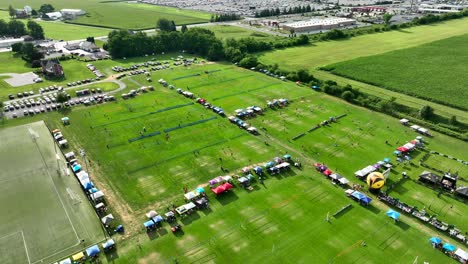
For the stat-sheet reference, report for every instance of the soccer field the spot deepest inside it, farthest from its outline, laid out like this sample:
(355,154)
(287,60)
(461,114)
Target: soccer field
(45,214)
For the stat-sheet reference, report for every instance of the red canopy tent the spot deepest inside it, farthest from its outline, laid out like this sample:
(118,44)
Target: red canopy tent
(327,172)
(402,149)
(222,188)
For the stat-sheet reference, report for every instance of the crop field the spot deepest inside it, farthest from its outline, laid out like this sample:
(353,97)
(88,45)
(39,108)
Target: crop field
(285,216)
(45,213)
(325,53)
(434,71)
(114,14)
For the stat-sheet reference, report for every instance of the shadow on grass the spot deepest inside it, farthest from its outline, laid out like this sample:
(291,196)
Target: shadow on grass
(227,198)
(373,209)
(65,110)
(111,256)
(404,31)
(153,234)
(162,232)
(190,218)
(402,225)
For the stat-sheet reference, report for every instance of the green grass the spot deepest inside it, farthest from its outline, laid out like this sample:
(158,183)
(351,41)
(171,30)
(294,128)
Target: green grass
(116,14)
(434,71)
(47,213)
(285,217)
(446,164)
(58,30)
(324,53)
(228,31)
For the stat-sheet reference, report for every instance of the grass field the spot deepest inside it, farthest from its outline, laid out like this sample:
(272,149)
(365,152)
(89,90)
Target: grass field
(114,14)
(435,77)
(447,164)
(46,214)
(270,223)
(324,53)
(228,31)
(283,218)
(59,30)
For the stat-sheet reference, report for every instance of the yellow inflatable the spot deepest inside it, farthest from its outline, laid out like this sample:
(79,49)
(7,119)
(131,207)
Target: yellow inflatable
(375,180)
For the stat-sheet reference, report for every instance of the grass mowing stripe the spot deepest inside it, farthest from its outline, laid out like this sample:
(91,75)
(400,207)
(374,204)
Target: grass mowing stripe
(224,81)
(150,113)
(186,76)
(189,124)
(246,91)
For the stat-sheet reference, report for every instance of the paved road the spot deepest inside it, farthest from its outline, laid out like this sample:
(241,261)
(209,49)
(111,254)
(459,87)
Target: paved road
(19,112)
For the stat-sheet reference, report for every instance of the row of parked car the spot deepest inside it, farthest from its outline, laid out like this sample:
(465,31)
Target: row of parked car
(133,93)
(90,80)
(31,102)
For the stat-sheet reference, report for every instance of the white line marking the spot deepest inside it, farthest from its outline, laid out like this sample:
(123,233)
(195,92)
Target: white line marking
(25,247)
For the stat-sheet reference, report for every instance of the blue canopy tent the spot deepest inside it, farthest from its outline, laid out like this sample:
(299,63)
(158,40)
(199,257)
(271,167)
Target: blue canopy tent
(258,170)
(269,164)
(393,214)
(93,190)
(387,160)
(287,156)
(435,240)
(449,247)
(157,219)
(88,185)
(315,87)
(200,190)
(149,223)
(396,152)
(361,197)
(76,168)
(93,251)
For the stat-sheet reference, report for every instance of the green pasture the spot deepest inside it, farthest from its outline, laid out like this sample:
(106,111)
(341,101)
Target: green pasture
(283,218)
(434,71)
(447,164)
(46,214)
(228,31)
(59,30)
(328,52)
(114,14)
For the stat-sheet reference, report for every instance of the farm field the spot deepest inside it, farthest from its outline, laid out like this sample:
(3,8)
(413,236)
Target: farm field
(46,215)
(229,31)
(114,14)
(436,77)
(319,54)
(283,218)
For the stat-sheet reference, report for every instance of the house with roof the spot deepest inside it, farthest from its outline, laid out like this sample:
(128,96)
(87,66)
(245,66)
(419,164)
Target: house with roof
(89,46)
(52,68)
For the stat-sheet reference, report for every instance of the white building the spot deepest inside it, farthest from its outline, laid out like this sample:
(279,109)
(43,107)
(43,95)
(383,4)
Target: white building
(316,24)
(72,13)
(54,15)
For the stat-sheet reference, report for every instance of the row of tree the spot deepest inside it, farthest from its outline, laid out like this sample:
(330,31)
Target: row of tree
(28,52)
(224,17)
(285,11)
(16,28)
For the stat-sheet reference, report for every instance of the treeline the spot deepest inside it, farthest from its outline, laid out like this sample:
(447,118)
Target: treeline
(225,17)
(195,40)
(16,28)
(285,11)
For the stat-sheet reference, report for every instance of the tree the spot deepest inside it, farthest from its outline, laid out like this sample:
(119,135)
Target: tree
(11,11)
(35,30)
(248,62)
(17,47)
(426,112)
(164,24)
(3,28)
(30,53)
(387,17)
(453,121)
(173,26)
(34,13)
(16,28)
(62,97)
(46,8)
(184,28)
(90,39)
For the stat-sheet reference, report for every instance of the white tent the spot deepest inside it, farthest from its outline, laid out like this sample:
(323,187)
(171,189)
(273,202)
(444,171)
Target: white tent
(97,195)
(461,254)
(404,121)
(415,127)
(107,219)
(151,214)
(66,261)
(343,181)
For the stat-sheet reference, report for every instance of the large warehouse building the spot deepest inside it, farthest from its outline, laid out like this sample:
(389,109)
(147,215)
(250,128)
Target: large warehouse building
(319,24)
